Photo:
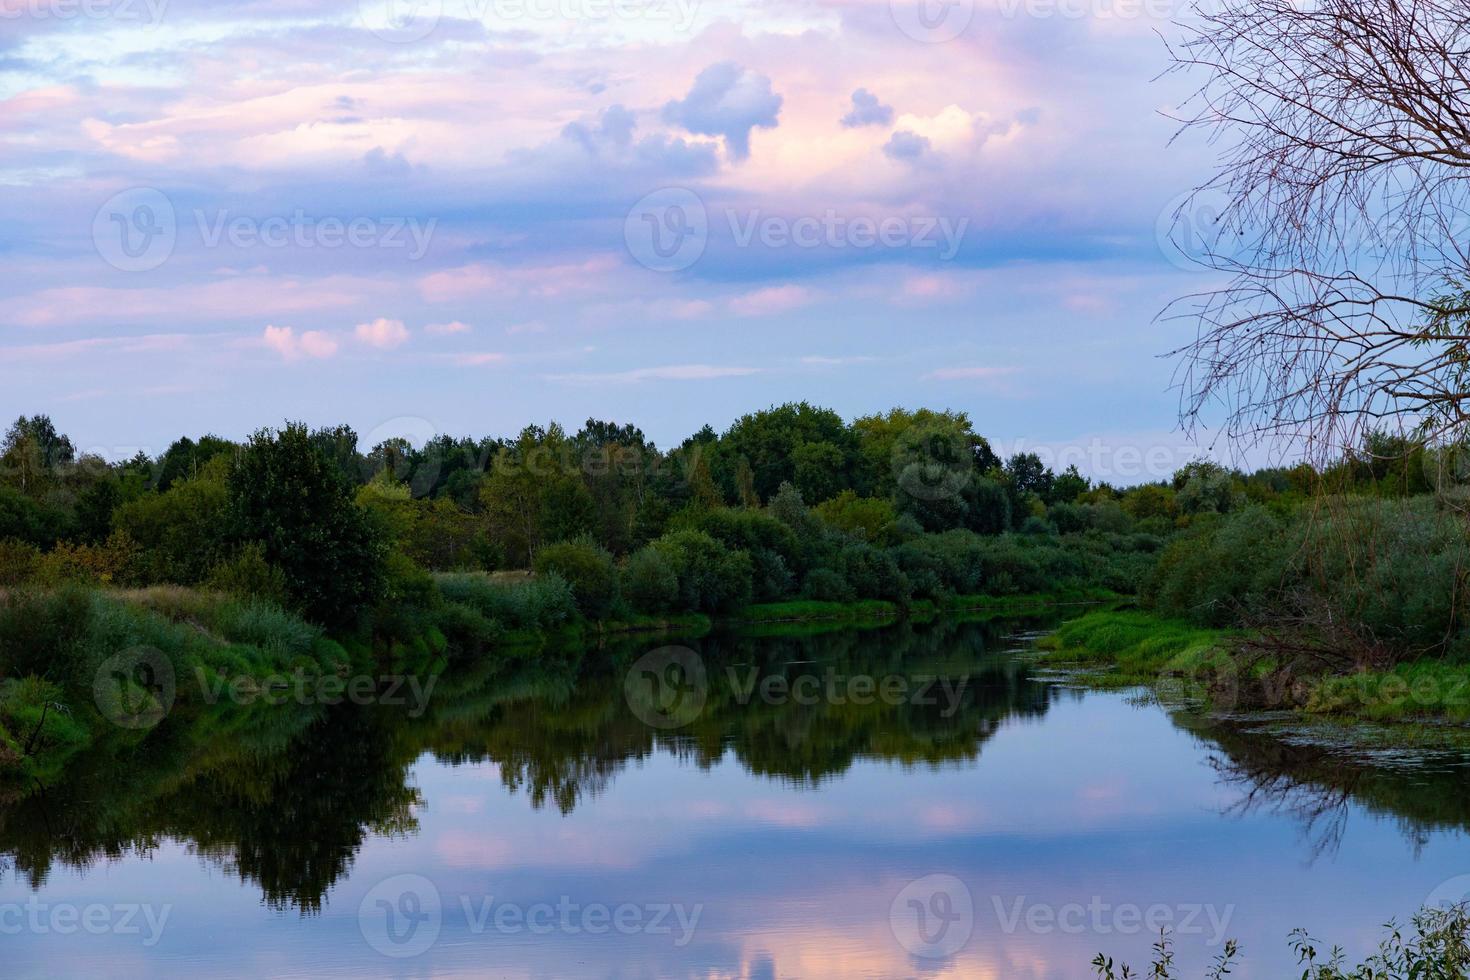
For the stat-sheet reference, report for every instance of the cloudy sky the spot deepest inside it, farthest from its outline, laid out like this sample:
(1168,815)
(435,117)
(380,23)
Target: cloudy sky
(469,215)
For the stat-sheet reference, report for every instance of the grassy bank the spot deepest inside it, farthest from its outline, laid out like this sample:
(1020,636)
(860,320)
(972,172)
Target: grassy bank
(1133,647)
(1128,647)
(86,666)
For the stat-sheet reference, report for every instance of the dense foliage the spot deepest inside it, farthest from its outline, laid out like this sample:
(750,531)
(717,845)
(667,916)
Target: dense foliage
(789,503)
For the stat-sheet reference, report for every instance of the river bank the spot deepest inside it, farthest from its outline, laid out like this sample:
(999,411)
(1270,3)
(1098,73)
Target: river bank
(1233,670)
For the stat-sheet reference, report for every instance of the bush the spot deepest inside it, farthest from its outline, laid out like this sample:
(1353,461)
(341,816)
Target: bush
(249,575)
(650,582)
(873,573)
(1221,569)
(711,577)
(588,568)
(826,585)
(868,518)
(545,602)
(111,563)
(42,634)
(19,562)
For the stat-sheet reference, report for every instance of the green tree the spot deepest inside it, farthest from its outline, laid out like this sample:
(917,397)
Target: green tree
(32,451)
(768,441)
(289,496)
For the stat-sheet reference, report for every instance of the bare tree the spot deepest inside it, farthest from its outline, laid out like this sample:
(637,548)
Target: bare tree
(1344,176)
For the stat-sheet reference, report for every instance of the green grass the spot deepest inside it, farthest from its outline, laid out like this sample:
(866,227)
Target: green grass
(1136,647)
(1139,648)
(1420,691)
(798,609)
(55,645)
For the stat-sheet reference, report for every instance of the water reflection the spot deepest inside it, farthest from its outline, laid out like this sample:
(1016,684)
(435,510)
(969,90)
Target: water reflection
(796,820)
(283,797)
(1318,775)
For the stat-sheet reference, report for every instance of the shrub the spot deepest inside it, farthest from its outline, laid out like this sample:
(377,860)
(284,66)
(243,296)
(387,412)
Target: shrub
(650,582)
(712,578)
(19,562)
(249,575)
(529,604)
(826,585)
(873,573)
(868,518)
(110,563)
(588,568)
(42,634)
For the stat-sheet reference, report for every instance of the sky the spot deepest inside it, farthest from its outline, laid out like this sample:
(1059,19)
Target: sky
(466,216)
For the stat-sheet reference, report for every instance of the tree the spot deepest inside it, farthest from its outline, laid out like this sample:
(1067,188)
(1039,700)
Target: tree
(534,494)
(768,442)
(1341,226)
(588,568)
(33,450)
(185,458)
(286,494)
(888,443)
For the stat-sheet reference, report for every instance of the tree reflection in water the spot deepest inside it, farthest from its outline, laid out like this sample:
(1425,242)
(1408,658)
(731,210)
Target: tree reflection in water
(284,797)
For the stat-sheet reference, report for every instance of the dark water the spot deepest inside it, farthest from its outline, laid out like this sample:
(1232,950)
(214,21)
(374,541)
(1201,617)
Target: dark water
(924,803)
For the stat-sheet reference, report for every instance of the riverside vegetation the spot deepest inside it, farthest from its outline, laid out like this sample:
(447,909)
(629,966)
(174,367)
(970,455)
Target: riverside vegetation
(293,558)
(295,554)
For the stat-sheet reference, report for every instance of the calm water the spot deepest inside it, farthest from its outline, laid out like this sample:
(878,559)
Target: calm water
(972,819)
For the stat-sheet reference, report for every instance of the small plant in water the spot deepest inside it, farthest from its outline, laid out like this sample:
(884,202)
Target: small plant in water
(1439,949)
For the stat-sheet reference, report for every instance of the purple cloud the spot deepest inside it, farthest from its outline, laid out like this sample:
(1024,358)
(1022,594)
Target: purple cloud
(867,111)
(727,100)
(907,146)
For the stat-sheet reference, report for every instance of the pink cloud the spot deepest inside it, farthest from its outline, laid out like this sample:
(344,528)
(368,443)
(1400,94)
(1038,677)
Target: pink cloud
(770,301)
(145,344)
(225,299)
(545,281)
(932,286)
(442,329)
(478,360)
(382,334)
(292,346)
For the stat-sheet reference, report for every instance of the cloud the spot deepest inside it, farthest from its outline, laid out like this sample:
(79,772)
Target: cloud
(727,100)
(672,372)
(867,111)
(145,344)
(907,145)
(442,329)
(382,334)
(478,360)
(770,301)
(970,373)
(291,346)
(527,326)
(932,286)
(613,128)
(544,281)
